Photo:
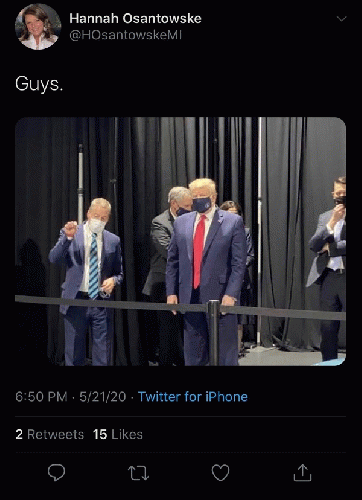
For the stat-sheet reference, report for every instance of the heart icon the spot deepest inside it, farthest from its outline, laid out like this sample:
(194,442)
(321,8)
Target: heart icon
(220,472)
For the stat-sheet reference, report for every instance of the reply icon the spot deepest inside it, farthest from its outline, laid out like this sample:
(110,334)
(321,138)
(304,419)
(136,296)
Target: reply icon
(56,471)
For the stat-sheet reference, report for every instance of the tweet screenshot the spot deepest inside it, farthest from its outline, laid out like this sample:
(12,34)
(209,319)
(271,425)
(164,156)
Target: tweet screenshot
(180,281)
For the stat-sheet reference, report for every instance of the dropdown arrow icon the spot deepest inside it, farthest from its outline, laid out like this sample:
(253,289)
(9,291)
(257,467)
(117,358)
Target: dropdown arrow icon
(341,18)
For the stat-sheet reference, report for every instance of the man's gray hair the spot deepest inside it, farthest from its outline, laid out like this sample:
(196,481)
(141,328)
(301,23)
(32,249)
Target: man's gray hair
(178,193)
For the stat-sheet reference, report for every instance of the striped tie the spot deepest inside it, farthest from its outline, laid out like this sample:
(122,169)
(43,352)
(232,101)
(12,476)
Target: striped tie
(93,269)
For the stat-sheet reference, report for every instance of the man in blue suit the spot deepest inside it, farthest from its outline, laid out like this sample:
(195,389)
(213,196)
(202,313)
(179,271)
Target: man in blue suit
(93,262)
(203,265)
(329,266)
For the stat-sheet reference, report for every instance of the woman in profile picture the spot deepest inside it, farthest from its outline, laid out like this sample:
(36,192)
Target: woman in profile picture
(38,31)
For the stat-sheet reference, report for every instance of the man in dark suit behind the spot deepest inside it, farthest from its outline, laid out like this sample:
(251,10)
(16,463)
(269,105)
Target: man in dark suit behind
(169,326)
(206,261)
(329,266)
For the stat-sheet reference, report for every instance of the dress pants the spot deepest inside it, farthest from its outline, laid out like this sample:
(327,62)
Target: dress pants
(196,337)
(170,335)
(332,298)
(76,324)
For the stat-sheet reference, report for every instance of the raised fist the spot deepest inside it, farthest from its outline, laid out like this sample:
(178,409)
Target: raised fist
(70,228)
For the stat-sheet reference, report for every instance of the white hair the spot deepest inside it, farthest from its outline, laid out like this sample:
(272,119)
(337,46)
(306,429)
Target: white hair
(202,183)
(178,193)
(100,202)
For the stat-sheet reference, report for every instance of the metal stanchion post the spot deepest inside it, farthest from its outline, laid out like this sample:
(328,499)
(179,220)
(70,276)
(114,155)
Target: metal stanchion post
(213,311)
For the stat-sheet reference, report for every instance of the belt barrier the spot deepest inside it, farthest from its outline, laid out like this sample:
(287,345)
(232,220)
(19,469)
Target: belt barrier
(213,309)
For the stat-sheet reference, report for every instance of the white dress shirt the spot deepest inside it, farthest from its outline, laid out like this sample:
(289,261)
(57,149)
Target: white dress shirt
(44,43)
(87,245)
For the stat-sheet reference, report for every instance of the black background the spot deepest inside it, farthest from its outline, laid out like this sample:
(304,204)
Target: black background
(268,64)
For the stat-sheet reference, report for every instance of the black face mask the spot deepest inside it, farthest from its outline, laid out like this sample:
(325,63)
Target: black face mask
(182,211)
(341,200)
(201,205)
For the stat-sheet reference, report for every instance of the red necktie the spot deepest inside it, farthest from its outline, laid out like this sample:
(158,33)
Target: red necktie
(198,249)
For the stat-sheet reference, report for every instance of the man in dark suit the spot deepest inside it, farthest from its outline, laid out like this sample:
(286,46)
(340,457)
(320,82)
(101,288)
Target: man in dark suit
(93,262)
(329,266)
(169,327)
(206,261)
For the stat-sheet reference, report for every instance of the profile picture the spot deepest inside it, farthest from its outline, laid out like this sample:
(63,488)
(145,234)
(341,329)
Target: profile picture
(38,26)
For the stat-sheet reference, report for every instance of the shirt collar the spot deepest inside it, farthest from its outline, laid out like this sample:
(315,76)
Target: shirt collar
(86,228)
(209,216)
(89,232)
(33,41)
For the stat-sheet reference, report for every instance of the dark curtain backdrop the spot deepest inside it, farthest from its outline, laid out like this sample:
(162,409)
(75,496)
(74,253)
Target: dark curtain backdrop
(140,160)
(300,159)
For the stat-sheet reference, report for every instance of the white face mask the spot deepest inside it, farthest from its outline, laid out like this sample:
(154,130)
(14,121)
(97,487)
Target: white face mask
(96,225)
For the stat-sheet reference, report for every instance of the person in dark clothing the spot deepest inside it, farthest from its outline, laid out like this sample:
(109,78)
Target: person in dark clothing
(169,327)
(329,266)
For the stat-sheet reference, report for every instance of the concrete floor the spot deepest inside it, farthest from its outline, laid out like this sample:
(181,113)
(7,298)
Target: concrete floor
(261,356)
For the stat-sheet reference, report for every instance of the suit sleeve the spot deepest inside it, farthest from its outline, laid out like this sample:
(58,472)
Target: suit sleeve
(321,236)
(118,264)
(58,253)
(172,267)
(338,248)
(160,238)
(238,260)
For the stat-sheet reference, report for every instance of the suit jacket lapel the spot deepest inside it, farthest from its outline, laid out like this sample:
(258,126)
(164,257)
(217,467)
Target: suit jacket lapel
(104,248)
(214,227)
(190,235)
(170,219)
